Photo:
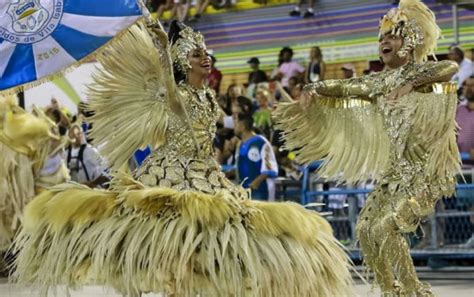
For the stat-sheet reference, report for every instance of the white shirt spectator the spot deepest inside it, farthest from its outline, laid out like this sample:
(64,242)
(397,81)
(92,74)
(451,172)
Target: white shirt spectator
(465,71)
(87,168)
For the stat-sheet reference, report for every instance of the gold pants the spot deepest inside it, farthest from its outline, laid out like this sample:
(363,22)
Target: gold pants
(383,223)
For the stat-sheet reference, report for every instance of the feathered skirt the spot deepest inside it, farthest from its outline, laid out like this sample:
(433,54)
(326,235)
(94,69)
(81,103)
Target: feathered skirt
(17,188)
(138,238)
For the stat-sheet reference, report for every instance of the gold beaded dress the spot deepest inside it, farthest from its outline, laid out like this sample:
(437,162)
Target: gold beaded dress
(176,225)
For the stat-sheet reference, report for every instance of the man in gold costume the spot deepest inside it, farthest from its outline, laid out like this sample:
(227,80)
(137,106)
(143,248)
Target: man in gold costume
(395,127)
(176,225)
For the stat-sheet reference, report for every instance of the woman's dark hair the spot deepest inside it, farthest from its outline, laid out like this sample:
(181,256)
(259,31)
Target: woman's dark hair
(282,51)
(318,49)
(229,88)
(173,32)
(173,36)
(179,75)
(228,104)
(458,50)
(286,49)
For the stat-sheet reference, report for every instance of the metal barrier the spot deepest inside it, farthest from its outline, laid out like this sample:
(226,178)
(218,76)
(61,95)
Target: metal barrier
(447,234)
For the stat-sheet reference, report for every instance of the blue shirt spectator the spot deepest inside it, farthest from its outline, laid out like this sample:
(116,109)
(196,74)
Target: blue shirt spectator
(256,162)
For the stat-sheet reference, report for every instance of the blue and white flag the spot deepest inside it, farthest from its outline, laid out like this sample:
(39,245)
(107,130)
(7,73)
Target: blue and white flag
(41,37)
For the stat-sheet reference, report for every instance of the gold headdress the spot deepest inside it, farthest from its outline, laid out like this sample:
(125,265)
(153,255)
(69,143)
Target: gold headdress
(183,40)
(416,24)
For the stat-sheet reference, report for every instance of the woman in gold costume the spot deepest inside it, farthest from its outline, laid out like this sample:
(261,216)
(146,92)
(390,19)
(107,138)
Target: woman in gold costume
(177,225)
(395,127)
(25,142)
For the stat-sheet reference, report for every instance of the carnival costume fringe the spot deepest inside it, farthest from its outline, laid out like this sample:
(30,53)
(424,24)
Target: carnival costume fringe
(183,243)
(24,146)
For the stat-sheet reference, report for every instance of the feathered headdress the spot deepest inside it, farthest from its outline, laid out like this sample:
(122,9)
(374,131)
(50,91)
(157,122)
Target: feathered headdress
(183,40)
(416,24)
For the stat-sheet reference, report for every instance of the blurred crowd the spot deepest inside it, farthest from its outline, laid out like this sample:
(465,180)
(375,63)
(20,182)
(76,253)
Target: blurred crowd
(180,9)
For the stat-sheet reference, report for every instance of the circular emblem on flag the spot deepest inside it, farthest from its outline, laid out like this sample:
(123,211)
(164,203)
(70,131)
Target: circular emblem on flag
(254,154)
(30,21)
(42,37)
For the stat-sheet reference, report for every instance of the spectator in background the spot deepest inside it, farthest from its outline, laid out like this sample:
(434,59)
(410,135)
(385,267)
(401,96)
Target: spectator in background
(82,118)
(180,10)
(58,115)
(349,70)
(292,83)
(226,141)
(465,120)
(83,161)
(215,77)
(296,12)
(201,6)
(472,58)
(262,117)
(287,68)
(462,99)
(297,91)
(456,54)
(54,105)
(316,67)
(230,99)
(284,94)
(160,6)
(256,162)
(244,106)
(256,76)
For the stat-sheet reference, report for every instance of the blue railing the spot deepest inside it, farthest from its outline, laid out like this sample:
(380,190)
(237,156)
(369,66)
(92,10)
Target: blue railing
(306,194)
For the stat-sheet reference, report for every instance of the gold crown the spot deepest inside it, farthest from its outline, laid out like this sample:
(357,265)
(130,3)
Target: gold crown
(189,40)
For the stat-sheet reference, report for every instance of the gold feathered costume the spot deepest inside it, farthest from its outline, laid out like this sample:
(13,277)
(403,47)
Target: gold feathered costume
(24,146)
(177,226)
(408,146)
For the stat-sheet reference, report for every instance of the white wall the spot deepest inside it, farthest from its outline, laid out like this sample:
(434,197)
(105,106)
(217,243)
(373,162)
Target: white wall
(78,78)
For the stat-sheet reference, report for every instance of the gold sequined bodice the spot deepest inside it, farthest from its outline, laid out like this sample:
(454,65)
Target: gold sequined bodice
(414,123)
(423,158)
(203,111)
(180,164)
(413,142)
